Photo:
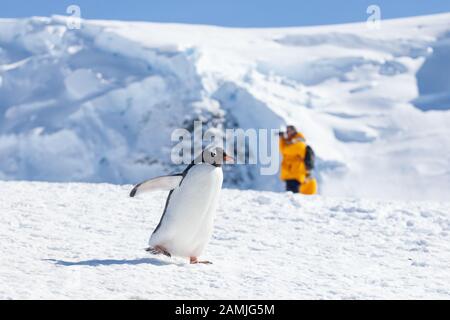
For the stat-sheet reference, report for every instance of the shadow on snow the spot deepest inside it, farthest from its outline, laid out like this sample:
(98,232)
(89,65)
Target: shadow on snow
(109,262)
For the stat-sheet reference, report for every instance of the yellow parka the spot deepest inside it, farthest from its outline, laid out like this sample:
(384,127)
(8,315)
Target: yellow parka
(293,152)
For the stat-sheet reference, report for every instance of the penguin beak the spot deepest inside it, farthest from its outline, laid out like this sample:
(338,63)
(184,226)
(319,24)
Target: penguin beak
(228,159)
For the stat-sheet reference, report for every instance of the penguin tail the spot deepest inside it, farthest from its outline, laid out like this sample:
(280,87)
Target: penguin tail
(158,250)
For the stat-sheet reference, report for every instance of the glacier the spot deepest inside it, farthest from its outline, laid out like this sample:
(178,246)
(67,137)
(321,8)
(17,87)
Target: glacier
(99,104)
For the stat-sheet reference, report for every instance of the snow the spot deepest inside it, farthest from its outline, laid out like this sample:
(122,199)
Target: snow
(99,104)
(86,241)
(94,110)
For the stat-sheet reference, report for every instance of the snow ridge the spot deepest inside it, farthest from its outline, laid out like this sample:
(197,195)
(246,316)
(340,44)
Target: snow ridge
(99,104)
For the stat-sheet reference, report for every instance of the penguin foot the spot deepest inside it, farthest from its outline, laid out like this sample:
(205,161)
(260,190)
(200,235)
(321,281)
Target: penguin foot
(194,260)
(158,250)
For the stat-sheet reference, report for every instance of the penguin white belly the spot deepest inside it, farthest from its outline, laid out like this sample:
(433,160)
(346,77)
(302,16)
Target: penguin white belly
(187,223)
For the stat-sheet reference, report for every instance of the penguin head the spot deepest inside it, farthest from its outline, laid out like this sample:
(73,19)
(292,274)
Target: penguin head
(216,156)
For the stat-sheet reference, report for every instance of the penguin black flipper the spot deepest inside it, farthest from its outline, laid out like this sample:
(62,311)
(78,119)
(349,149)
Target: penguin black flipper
(164,183)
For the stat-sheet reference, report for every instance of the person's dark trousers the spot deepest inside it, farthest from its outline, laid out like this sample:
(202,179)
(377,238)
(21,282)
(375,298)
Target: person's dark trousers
(292,185)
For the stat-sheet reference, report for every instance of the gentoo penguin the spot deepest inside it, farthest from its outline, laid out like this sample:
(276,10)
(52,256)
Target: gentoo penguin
(187,221)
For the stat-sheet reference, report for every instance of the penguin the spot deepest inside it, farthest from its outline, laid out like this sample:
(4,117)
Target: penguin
(186,224)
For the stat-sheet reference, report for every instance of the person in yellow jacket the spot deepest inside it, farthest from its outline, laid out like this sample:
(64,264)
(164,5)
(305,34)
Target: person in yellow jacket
(293,169)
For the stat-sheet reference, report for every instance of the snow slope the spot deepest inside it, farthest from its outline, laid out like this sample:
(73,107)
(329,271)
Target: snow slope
(99,104)
(61,241)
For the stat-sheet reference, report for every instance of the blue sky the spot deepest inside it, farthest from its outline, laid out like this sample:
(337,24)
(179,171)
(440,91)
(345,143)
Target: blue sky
(236,13)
